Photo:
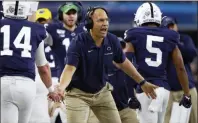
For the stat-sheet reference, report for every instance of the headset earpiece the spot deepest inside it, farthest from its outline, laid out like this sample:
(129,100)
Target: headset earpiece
(88,20)
(60,13)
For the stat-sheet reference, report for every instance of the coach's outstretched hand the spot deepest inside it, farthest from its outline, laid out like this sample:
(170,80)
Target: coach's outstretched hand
(60,92)
(54,96)
(149,90)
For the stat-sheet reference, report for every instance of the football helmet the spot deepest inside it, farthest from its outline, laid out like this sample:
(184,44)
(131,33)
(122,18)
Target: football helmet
(16,9)
(33,7)
(148,12)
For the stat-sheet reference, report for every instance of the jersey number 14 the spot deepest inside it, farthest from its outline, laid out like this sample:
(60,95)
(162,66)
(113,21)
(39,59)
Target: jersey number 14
(25,46)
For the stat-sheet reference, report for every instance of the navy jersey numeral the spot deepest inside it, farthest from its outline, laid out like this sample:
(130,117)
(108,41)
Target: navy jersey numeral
(18,43)
(157,51)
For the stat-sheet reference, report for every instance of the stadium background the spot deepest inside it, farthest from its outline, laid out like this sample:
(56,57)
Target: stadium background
(122,14)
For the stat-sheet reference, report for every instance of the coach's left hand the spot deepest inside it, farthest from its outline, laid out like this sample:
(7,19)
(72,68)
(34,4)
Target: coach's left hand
(60,92)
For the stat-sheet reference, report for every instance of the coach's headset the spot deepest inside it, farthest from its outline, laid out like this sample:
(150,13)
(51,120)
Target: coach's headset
(88,20)
(77,4)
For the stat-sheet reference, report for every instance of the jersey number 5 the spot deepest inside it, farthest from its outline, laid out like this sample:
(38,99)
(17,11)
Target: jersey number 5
(157,51)
(24,32)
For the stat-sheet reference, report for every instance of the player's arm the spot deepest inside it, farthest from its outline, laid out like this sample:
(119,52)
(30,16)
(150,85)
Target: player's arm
(130,47)
(43,67)
(32,11)
(44,72)
(180,69)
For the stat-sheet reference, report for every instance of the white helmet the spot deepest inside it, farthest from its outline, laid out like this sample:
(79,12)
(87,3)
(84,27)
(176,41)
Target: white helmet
(148,12)
(33,7)
(16,9)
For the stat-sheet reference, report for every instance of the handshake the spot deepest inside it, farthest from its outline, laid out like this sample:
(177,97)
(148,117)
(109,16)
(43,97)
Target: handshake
(55,93)
(55,97)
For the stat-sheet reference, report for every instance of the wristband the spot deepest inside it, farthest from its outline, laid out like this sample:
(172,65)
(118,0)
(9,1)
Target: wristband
(51,88)
(187,97)
(142,82)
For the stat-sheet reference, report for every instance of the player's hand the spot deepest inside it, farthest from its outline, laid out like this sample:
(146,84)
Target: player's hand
(134,103)
(60,91)
(54,96)
(52,106)
(149,90)
(186,101)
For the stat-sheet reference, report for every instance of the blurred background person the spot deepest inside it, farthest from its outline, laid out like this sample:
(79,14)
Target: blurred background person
(194,68)
(189,52)
(43,16)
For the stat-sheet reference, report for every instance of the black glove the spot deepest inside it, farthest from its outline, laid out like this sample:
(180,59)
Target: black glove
(134,103)
(186,101)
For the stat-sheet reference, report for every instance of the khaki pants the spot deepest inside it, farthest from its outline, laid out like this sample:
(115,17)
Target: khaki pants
(92,118)
(79,103)
(176,97)
(127,115)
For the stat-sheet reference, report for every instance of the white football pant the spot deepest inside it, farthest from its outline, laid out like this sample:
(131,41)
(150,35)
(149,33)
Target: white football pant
(17,96)
(40,106)
(146,116)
